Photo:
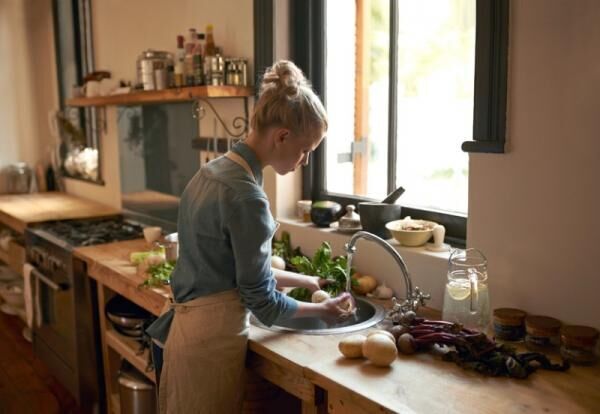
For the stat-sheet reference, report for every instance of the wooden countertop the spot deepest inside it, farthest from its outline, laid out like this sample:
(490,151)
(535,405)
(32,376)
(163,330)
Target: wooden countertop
(109,264)
(413,384)
(17,211)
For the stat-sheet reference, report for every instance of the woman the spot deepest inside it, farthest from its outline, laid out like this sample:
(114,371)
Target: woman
(223,271)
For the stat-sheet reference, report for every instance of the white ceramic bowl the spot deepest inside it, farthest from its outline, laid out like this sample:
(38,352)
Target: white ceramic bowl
(410,232)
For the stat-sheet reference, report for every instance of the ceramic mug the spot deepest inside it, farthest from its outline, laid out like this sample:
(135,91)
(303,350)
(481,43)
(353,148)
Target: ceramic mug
(91,88)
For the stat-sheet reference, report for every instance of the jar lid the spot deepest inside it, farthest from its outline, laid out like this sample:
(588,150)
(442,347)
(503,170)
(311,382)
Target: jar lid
(509,316)
(577,335)
(542,326)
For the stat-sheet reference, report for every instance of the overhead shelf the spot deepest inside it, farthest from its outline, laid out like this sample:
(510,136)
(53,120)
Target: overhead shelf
(166,95)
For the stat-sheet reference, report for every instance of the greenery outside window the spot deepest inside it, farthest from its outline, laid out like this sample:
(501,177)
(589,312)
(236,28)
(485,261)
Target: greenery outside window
(405,82)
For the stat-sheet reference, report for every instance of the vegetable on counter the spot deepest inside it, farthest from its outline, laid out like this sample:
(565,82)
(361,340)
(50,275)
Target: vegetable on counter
(378,347)
(363,284)
(159,274)
(468,348)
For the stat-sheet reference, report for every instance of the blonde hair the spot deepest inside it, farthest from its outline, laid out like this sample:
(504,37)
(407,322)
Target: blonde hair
(287,100)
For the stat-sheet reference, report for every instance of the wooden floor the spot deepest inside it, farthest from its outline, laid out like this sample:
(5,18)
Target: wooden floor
(26,386)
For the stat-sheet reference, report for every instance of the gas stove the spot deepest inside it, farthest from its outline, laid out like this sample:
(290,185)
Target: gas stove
(89,232)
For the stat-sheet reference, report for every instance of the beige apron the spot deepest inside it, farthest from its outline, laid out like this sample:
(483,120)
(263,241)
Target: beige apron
(205,352)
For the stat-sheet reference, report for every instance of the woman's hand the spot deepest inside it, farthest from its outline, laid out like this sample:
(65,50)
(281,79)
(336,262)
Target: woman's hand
(314,283)
(340,306)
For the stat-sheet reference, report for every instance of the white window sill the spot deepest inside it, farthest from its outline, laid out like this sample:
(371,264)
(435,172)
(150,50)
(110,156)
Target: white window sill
(427,269)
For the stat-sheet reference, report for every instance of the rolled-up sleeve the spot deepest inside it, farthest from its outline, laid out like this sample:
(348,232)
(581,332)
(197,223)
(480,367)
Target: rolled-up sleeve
(251,229)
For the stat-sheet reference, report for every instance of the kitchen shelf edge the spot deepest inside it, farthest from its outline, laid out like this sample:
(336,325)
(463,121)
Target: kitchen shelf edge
(164,96)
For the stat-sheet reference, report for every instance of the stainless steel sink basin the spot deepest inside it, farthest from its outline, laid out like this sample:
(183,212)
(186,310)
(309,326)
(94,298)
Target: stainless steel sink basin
(367,315)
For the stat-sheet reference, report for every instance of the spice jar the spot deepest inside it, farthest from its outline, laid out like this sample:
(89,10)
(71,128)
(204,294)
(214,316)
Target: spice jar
(509,324)
(542,332)
(578,344)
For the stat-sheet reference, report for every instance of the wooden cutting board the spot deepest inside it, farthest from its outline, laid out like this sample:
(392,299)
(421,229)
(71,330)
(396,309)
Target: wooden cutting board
(17,211)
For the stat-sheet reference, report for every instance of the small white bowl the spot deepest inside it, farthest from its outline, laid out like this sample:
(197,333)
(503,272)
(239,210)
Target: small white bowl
(410,232)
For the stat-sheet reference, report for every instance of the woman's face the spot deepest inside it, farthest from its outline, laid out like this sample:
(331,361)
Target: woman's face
(292,151)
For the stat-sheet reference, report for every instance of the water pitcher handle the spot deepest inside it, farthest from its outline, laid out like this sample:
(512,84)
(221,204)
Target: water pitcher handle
(473,280)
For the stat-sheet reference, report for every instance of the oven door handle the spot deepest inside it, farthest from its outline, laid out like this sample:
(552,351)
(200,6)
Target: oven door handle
(52,285)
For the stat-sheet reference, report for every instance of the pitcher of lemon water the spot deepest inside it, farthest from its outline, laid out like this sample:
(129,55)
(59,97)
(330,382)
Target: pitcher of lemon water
(466,297)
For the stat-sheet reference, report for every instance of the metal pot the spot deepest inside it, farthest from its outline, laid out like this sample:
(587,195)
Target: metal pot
(17,178)
(171,246)
(136,392)
(126,315)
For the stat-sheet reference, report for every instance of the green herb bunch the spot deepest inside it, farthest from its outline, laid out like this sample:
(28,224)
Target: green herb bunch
(325,266)
(160,274)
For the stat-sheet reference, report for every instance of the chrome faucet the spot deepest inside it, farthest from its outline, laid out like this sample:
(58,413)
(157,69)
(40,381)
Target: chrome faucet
(414,297)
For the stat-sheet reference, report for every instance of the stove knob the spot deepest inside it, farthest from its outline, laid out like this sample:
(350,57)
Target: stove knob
(54,264)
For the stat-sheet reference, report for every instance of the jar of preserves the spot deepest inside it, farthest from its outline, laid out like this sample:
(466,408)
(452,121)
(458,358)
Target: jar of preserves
(509,324)
(542,332)
(579,344)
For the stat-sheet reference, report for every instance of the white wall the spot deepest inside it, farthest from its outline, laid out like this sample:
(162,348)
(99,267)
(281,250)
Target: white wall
(27,80)
(535,210)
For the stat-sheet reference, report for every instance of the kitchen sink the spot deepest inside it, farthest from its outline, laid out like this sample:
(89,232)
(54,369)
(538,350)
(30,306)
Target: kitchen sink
(367,315)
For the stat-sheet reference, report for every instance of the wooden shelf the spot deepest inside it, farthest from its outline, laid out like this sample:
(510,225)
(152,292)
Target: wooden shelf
(166,95)
(128,348)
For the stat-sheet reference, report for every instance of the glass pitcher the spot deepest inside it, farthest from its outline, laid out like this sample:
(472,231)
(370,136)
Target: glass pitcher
(466,296)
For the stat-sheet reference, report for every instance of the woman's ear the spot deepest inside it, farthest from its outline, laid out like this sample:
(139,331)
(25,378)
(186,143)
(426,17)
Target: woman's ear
(281,135)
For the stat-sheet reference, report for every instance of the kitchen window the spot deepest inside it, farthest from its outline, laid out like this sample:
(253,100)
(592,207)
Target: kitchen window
(78,129)
(405,83)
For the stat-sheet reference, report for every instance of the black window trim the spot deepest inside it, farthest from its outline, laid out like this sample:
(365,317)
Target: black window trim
(307,27)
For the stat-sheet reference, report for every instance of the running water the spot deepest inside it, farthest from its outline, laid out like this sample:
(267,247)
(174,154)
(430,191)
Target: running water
(349,283)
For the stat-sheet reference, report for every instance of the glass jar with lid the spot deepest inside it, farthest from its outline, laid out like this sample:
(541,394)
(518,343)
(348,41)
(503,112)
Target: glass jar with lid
(150,62)
(542,332)
(509,324)
(579,344)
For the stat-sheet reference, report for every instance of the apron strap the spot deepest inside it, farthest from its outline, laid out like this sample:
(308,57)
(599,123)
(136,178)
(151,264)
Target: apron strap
(241,162)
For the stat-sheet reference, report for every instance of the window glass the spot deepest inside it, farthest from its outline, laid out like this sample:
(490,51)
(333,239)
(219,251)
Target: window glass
(436,59)
(436,62)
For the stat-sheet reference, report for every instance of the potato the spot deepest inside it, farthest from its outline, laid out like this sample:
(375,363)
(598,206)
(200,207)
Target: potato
(277,262)
(366,284)
(352,346)
(319,296)
(380,350)
(382,332)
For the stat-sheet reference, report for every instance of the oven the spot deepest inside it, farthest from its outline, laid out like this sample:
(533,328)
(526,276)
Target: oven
(65,302)
(65,317)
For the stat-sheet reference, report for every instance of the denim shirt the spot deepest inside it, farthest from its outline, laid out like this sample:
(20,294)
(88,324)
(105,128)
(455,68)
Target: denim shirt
(225,229)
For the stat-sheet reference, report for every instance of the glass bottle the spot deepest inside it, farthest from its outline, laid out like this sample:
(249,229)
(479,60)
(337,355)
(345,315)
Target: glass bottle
(189,58)
(210,41)
(179,63)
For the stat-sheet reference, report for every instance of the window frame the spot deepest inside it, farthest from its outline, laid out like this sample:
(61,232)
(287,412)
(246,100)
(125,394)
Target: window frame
(308,51)
(77,13)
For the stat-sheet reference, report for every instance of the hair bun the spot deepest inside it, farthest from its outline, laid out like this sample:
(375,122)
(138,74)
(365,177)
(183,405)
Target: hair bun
(285,76)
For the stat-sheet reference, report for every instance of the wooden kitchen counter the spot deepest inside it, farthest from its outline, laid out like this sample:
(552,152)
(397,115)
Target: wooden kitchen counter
(19,210)
(305,365)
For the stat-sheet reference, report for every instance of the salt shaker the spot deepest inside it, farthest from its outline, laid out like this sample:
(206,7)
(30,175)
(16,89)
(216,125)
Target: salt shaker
(438,244)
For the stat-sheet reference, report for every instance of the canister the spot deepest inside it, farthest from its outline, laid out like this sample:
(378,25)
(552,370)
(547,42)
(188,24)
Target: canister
(509,324)
(542,332)
(579,344)
(148,62)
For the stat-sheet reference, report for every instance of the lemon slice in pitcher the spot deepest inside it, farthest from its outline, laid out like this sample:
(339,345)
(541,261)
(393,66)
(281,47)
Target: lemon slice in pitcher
(459,290)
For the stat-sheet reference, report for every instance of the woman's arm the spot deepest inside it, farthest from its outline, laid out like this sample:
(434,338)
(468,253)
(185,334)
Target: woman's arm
(285,278)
